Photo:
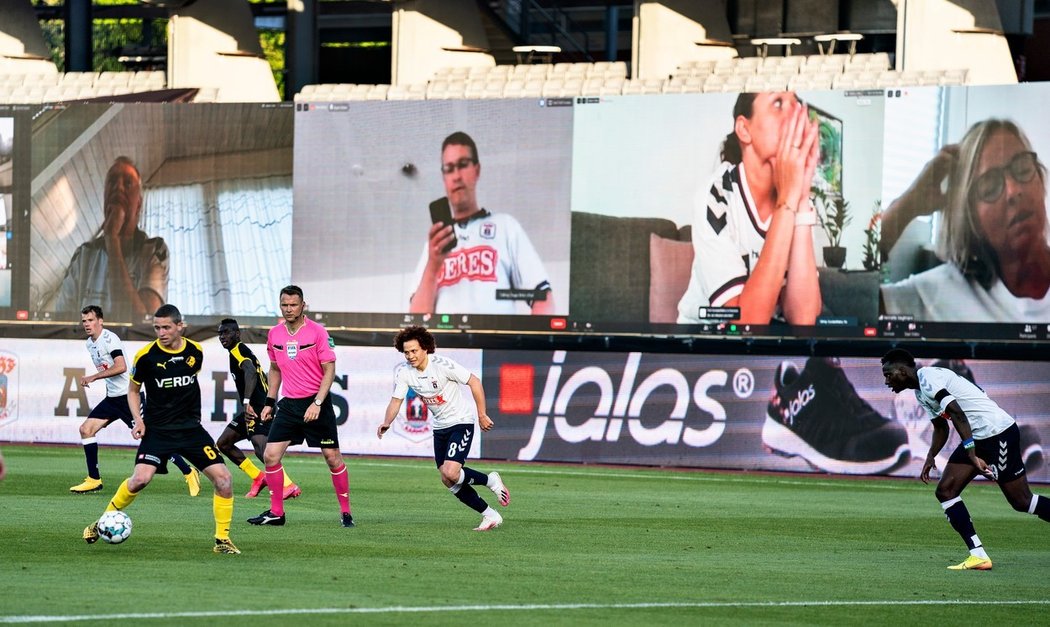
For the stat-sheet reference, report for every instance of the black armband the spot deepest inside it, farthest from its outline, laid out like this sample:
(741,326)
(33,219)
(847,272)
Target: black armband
(270,402)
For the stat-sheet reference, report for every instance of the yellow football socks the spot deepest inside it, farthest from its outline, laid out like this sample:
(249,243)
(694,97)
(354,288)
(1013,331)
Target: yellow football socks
(122,498)
(222,507)
(250,469)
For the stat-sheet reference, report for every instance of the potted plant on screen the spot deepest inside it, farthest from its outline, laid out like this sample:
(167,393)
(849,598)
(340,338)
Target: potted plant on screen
(871,238)
(834,216)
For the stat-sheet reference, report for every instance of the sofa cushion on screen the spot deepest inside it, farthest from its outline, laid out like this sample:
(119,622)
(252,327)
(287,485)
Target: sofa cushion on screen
(670,264)
(609,275)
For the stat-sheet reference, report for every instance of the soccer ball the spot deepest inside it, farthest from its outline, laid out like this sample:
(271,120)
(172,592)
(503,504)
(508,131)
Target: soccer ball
(114,527)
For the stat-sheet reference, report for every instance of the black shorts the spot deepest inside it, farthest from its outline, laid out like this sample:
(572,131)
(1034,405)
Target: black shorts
(247,427)
(113,408)
(1002,452)
(289,426)
(194,444)
(452,443)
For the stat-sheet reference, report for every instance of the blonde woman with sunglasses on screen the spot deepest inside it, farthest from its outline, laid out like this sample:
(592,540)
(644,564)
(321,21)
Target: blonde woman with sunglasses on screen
(992,237)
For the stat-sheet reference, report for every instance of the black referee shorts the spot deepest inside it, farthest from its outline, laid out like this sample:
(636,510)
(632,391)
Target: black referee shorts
(289,426)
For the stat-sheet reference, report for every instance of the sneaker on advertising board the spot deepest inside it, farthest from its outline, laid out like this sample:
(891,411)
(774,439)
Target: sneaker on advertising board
(816,414)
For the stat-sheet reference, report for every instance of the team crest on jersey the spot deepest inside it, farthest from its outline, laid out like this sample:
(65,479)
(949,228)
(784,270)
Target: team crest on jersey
(415,424)
(488,230)
(291,349)
(191,360)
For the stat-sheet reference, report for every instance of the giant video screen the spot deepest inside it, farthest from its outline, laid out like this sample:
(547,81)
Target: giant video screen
(911,213)
(136,205)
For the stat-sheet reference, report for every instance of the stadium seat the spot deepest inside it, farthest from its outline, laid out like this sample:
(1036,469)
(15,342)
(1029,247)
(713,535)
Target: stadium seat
(378,92)
(593,86)
(77,78)
(113,78)
(533,88)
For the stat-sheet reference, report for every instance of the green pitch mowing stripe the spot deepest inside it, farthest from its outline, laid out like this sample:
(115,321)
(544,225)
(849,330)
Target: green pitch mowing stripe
(580,545)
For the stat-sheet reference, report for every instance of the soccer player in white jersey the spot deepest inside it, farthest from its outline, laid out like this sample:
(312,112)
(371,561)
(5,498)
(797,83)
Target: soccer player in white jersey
(107,355)
(990,445)
(436,380)
(491,252)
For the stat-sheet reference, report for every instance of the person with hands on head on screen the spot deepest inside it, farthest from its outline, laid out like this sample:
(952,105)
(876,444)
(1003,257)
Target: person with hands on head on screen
(990,446)
(436,379)
(753,223)
(490,251)
(123,270)
(990,190)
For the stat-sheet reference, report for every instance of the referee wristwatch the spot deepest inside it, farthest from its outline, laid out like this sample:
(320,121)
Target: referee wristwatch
(318,402)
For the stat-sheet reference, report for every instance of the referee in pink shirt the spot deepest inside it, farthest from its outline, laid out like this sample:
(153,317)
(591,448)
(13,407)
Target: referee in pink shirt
(302,366)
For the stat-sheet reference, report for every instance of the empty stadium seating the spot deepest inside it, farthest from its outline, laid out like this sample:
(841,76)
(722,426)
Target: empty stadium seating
(31,89)
(605,78)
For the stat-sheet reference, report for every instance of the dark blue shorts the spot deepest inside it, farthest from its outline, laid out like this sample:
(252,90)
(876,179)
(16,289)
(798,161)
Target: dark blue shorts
(113,408)
(452,443)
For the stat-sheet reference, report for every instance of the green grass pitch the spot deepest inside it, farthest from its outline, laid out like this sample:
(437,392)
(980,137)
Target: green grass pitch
(581,545)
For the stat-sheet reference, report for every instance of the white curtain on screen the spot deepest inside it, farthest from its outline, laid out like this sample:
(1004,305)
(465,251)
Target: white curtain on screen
(229,241)
(915,130)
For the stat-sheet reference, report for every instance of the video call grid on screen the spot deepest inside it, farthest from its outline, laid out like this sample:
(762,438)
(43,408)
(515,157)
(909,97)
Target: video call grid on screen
(618,157)
(215,222)
(366,173)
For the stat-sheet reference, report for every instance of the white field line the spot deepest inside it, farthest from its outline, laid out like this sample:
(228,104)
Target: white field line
(512,608)
(671,475)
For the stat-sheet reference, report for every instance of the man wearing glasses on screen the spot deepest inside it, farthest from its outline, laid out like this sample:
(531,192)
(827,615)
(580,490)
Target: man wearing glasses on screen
(475,261)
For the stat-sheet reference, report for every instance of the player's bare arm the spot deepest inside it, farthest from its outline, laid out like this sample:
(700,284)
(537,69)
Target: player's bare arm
(273,377)
(937,442)
(392,408)
(478,392)
(962,425)
(119,367)
(328,376)
(250,381)
(135,404)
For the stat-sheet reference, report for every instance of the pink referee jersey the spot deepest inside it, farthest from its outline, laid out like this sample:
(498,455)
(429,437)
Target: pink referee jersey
(299,355)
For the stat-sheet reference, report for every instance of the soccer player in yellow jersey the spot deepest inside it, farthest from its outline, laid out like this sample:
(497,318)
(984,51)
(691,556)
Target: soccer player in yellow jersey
(246,425)
(167,368)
